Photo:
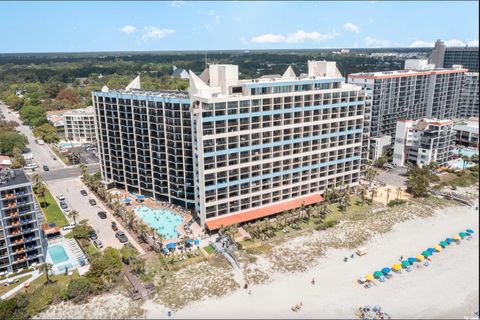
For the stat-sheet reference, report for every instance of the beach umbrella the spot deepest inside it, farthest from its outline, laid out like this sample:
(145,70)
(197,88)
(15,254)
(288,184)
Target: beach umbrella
(457,238)
(462,234)
(443,243)
(470,231)
(412,260)
(127,200)
(426,253)
(438,248)
(449,240)
(369,277)
(397,266)
(378,274)
(431,250)
(386,270)
(405,263)
(419,257)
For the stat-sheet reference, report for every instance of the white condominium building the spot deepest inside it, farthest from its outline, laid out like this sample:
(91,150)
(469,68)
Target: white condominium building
(80,125)
(410,94)
(469,100)
(423,141)
(267,145)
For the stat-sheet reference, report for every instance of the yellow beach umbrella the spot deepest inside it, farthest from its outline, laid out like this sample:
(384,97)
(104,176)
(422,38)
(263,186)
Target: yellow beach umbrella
(369,277)
(419,257)
(457,237)
(397,266)
(438,248)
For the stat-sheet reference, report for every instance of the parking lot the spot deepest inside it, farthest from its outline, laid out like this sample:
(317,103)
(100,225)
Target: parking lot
(396,177)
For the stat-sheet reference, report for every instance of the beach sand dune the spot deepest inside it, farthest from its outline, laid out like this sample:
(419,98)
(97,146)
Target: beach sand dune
(448,288)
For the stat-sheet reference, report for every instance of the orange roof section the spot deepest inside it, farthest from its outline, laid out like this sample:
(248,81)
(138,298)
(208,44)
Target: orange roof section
(218,222)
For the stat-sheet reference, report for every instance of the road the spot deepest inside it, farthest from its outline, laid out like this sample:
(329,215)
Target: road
(65,179)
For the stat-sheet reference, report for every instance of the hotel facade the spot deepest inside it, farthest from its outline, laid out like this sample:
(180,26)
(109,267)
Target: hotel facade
(235,150)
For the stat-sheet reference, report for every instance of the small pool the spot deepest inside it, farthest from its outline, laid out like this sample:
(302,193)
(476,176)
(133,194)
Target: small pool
(58,254)
(465,152)
(164,221)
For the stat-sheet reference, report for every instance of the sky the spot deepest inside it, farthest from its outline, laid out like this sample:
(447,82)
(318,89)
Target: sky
(200,25)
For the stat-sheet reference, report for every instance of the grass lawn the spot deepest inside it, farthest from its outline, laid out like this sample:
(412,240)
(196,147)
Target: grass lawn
(60,281)
(209,249)
(59,154)
(4,289)
(52,212)
(354,208)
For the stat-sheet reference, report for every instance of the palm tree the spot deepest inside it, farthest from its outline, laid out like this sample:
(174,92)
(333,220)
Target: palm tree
(73,214)
(142,230)
(373,193)
(399,190)
(47,268)
(37,178)
(363,194)
(130,219)
(388,194)
(83,169)
(41,190)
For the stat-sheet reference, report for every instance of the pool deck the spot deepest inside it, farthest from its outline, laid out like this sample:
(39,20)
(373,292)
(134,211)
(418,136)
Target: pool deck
(156,205)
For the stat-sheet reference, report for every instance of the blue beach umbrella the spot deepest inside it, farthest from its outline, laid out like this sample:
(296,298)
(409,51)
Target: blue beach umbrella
(127,200)
(449,240)
(431,250)
(412,260)
(386,270)
(171,245)
(196,242)
(140,196)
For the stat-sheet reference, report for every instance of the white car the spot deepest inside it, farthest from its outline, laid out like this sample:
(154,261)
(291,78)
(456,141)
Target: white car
(60,196)
(68,227)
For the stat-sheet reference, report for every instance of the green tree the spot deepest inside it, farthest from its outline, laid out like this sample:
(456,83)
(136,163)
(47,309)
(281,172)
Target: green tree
(418,181)
(74,215)
(46,132)
(11,140)
(13,101)
(69,96)
(47,268)
(82,230)
(105,268)
(18,160)
(33,115)
(80,289)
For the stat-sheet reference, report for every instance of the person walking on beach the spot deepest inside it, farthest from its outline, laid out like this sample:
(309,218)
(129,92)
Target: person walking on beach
(313,280)
(401,258)
(250,292)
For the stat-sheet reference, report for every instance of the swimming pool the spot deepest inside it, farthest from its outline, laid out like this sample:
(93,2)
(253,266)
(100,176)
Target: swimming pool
(164,221)
(465,152)
(58,254)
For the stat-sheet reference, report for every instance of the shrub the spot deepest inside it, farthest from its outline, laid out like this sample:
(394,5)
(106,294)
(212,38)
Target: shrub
(434,178)
(396,202)
(79,290)
(326,225)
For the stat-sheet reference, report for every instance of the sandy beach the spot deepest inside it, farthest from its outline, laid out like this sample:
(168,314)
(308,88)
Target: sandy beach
(448,288)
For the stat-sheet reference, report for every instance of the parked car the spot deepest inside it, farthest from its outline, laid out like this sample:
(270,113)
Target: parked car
(102,214)
(45,168)
(121,236)
(68,227)
(114,226)
(128,244)
(30,166)
(93,235)
(92,202)
(83,193)
(97,243)
(60,196)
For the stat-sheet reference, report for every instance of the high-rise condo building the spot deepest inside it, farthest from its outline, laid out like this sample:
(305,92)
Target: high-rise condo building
(80,125)
(145,143)
(21,242)
(243,149)
(443,57)
(423,141)
(469,99)
(410,94)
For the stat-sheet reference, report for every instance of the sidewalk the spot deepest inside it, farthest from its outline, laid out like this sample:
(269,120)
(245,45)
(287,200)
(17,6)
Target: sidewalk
(35,274)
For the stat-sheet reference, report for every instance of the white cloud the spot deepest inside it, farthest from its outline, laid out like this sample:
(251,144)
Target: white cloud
(268,38)
(128,29)
(150,32)
(448,43)
(296,37)
(375,43)
(351,27)
(472,43)
(177,4)
(217,19)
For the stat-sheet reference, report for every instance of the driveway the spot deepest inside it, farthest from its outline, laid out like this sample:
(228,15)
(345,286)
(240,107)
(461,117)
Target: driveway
(395,177)
(70,188)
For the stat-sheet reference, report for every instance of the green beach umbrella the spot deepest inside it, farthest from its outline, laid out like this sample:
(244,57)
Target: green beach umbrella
(443,243)
(378,274)
(462,234)
(426,253)
(405,263)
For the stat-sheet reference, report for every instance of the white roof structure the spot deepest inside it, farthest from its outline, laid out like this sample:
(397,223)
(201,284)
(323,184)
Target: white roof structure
(135,84)
(289,73)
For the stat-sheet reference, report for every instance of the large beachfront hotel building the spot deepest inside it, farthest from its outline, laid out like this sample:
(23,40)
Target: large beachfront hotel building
(235,150)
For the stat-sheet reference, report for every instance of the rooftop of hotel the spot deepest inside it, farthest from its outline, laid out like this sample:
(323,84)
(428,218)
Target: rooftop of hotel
(157,93)
(88,110)
(405,72)
(9,178)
